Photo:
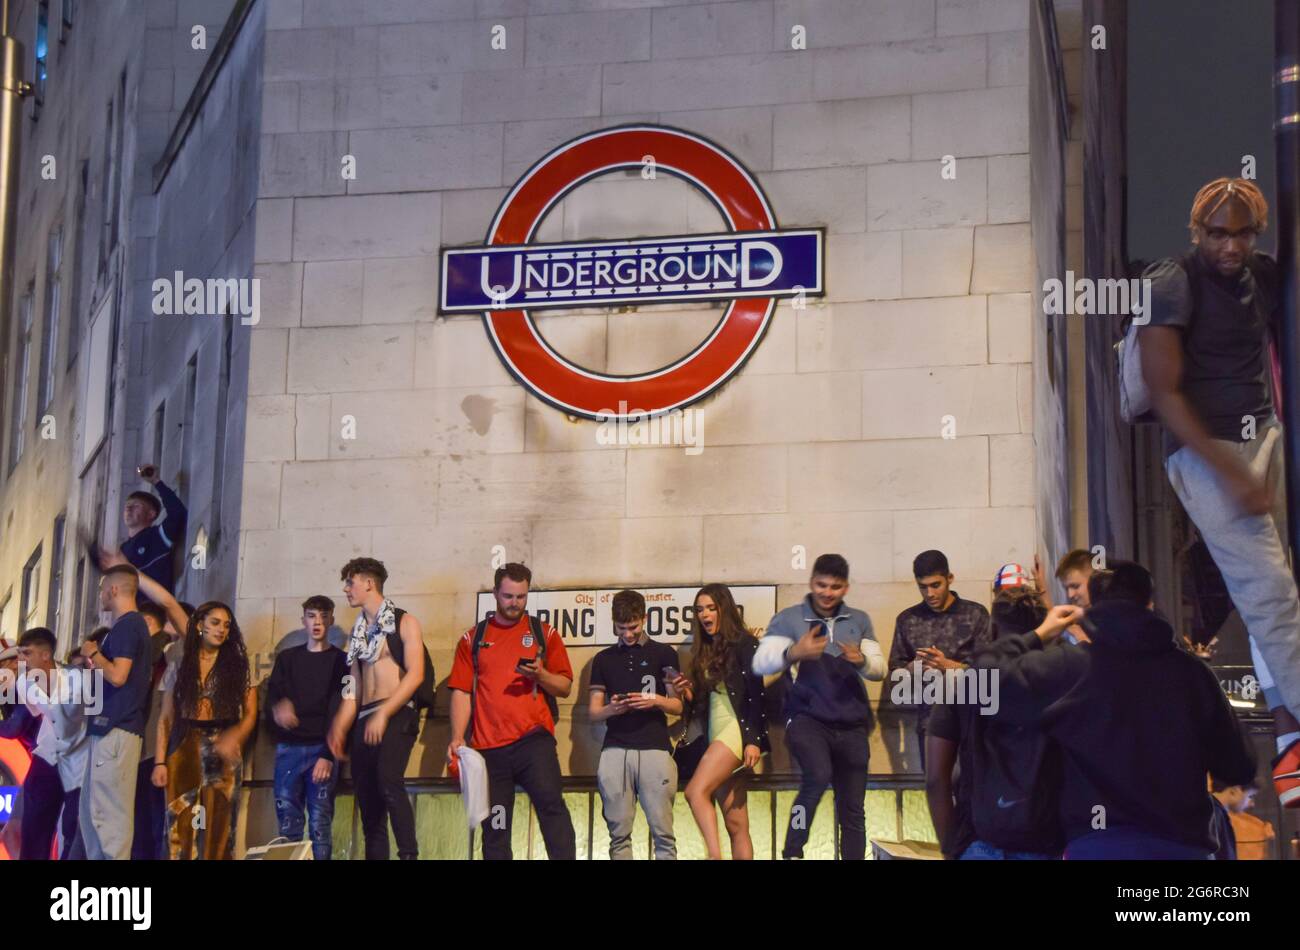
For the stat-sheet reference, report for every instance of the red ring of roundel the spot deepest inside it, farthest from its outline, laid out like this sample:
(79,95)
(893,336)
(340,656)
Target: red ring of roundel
(594,395)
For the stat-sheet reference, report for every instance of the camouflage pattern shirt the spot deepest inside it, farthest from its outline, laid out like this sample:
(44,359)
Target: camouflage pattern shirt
(959,632)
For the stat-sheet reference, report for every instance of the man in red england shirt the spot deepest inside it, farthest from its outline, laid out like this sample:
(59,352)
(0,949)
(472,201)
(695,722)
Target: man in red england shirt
(512,723)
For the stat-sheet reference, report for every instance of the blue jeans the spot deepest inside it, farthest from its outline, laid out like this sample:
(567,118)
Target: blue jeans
(1131,844)
(295,791)
(982,851)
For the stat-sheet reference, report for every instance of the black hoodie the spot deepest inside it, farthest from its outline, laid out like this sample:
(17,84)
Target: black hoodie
(1140,724)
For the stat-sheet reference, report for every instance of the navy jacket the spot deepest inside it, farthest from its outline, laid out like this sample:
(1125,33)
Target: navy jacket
(150,550)
(829,689)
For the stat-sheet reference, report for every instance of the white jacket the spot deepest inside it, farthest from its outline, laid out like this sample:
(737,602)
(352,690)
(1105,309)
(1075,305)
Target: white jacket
(61,740)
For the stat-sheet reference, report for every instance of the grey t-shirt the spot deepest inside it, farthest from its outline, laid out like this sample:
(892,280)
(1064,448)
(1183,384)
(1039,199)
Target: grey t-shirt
(1226,371)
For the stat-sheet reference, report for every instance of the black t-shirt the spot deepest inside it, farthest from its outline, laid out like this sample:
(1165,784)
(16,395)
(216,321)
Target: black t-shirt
(946,722)
(313,681)
(634,669)
(1224,324)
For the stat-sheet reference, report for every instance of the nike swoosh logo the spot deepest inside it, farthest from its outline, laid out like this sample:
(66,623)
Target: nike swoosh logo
(1003,803)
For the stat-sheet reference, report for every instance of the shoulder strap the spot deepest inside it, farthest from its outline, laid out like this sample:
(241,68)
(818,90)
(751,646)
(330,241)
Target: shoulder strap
(479,630)
(1188,264)
(539,635)
(1266,299)
(395,647)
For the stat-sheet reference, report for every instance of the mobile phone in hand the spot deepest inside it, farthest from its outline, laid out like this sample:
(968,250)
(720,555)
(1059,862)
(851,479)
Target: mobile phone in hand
(670,674)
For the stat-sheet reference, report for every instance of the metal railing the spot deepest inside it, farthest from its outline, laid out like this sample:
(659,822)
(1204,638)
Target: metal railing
(768,812)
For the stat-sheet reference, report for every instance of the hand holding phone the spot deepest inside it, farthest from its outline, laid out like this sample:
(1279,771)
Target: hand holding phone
(810,646)
(681,685)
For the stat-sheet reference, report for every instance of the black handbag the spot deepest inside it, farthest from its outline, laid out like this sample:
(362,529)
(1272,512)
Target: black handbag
(687,755)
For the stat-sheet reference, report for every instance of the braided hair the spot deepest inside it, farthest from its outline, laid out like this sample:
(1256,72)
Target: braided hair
(1212,196)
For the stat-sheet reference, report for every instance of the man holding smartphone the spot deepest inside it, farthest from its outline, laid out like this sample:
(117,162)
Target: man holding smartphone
(831,651)
(940,633)
(632,695)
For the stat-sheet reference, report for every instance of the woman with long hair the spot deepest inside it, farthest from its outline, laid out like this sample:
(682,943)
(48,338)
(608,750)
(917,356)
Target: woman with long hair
(209,710)
(726,706)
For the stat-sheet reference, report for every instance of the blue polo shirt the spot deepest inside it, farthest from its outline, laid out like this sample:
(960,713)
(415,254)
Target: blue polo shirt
(126,706)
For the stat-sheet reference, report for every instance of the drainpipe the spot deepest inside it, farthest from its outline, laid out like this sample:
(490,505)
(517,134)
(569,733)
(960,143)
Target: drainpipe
(12,91)
(1286,134)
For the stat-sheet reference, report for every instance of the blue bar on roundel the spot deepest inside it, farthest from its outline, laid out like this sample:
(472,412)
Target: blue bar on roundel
(648,270)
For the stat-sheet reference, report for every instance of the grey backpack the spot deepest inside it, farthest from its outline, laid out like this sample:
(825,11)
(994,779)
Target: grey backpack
(1134,397)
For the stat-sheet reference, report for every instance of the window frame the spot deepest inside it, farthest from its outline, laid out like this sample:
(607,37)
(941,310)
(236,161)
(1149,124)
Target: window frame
(31,590)
(18,408)
(47,382)
(40,61)
(54,587)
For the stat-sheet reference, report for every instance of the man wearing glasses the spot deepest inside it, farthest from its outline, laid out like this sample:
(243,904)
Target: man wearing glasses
(1207,363)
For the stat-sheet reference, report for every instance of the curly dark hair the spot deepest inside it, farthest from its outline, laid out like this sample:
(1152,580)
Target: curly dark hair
(231,668)
(713,656)
(368,566)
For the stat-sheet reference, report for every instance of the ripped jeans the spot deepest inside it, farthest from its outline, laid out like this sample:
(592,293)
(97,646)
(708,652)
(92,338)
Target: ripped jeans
(296,793)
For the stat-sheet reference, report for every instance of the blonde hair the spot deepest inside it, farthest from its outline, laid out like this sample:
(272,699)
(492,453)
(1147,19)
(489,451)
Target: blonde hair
(1212,196)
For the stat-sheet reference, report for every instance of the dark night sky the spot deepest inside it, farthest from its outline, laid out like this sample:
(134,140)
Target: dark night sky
(1199,98)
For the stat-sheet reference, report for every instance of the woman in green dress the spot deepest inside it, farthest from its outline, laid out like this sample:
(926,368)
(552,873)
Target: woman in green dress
(726,704)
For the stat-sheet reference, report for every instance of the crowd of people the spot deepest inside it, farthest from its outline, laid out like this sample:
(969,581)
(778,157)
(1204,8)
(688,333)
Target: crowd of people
(1099,741)
(1080,730)
(1105,734)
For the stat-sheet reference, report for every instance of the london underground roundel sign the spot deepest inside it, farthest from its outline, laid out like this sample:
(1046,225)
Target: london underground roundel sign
(750,266)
